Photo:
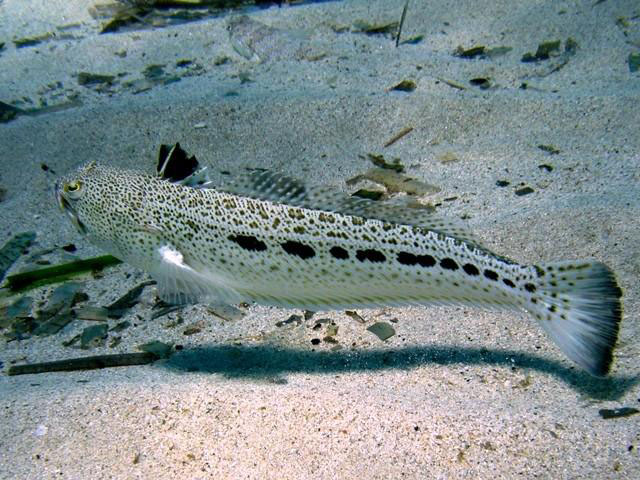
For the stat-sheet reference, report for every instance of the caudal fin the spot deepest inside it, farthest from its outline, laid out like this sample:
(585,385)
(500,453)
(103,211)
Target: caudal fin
(579,305)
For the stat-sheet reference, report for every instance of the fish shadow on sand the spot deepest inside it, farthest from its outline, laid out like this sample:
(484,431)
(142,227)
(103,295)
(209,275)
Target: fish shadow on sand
(269,363)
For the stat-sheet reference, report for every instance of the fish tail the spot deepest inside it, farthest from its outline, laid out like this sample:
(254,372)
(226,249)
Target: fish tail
(579,305)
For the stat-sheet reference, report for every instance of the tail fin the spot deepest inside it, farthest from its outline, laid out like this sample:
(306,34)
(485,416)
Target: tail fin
(579,305)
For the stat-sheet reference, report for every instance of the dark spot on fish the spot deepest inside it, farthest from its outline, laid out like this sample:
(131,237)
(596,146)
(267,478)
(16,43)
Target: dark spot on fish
(371,255)
(300,249)
(509,283)
(410,259)
(248,242)
(339,253)
(448,264)
(470,269)
(491,275)
(539,271)
(552,308)
(406,258)
(530,287)
(426,261)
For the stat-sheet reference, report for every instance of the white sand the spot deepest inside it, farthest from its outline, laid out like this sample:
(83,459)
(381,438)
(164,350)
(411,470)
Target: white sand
(457,392)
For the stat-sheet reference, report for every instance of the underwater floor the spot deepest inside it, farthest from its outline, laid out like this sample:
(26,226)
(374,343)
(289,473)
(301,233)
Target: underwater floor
(521,118)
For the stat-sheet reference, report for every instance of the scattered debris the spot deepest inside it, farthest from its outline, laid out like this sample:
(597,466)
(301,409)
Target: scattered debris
(157,348)
(370,194)
(296,320)
(481,82)
(354,315)
(93,314)
(87,79)
(163,309)
(31,41)
(634,62)
(452,83)
(617,412)
(398,136)
(58,273)
(544,52)
(193,329)
(524,191)
(402,17)
(226,312)
(546,167)
(128,300)
(361,26)
(548,50)
(473,52)
(8,112)
(404,86)
(382,330)
(58,312)
(119,327)
(13,249)
(379,161)
(395,182)
(550,149)
(480,51)
(448,157)
(502,183)
(84,363)
(94,336)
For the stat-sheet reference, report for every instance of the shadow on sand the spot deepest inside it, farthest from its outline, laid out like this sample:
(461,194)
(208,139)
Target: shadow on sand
(267,361)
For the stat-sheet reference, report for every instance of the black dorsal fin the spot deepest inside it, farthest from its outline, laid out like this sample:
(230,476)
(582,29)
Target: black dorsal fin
(175,165)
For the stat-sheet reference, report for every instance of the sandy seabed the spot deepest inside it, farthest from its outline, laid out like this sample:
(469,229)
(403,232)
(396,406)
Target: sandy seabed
(456,392)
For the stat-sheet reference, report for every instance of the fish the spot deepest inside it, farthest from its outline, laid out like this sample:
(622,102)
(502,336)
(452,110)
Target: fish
(273,240)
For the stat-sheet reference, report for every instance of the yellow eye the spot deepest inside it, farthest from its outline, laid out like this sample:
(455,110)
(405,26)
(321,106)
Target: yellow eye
(72,188)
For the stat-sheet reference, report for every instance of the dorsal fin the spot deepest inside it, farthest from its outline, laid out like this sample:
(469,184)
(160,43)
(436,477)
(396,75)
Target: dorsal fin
(174,165)
(277,188)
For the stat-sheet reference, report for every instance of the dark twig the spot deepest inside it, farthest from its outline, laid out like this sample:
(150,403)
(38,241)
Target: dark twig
(404,14)
(85,363)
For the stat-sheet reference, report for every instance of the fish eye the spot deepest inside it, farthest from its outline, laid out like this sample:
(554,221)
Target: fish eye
(73,188)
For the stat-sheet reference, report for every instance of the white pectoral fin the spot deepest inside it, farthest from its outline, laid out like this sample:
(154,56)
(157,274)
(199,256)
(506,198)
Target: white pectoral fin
(179,282)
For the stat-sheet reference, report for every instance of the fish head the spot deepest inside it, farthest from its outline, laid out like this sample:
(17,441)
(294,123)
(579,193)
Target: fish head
(102,203)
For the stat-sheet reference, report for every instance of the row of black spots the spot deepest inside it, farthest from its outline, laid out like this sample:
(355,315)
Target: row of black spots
(339,253)
(298,249)
(406,258)
(371,255)
(248,242)
(491,275)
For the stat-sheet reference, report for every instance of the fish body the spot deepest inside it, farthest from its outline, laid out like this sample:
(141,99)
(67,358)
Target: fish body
(271,240)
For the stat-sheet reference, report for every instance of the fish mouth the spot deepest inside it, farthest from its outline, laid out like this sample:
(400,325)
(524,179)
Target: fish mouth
(67,208)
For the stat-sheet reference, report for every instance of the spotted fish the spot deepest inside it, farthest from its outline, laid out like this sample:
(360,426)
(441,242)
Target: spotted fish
(272,240)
